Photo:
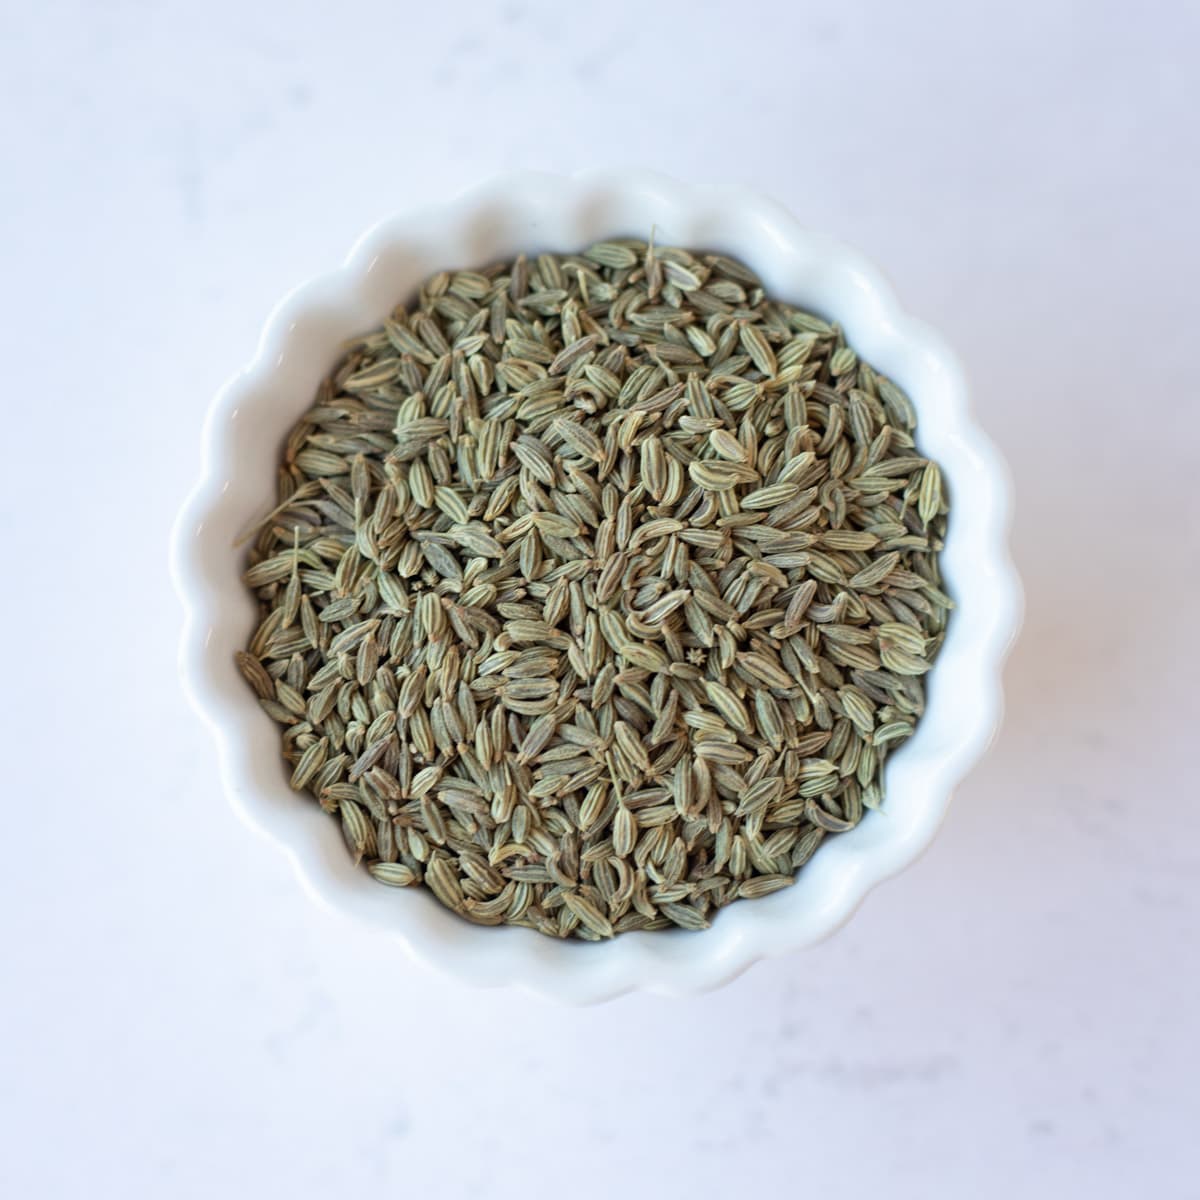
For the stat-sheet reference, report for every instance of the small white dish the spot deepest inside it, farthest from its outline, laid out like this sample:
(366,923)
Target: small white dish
(530,212)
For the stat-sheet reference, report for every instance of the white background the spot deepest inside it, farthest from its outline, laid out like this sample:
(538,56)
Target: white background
(1017,1015)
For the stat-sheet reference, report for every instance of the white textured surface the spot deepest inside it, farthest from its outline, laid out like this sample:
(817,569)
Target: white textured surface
(526,212)
(1015,1014)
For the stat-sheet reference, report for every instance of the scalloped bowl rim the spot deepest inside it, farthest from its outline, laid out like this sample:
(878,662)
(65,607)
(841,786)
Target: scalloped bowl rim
(248,420)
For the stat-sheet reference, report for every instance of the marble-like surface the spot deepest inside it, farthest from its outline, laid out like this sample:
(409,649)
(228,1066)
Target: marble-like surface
(1015,1015)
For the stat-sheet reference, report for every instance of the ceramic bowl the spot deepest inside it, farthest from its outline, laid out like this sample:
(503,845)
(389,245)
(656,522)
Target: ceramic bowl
(532,212)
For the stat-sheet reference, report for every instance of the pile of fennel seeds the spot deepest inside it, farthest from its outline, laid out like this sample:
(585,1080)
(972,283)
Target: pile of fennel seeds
(599,589)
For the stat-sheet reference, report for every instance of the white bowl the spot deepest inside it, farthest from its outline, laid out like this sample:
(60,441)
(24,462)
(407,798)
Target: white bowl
(529,212)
